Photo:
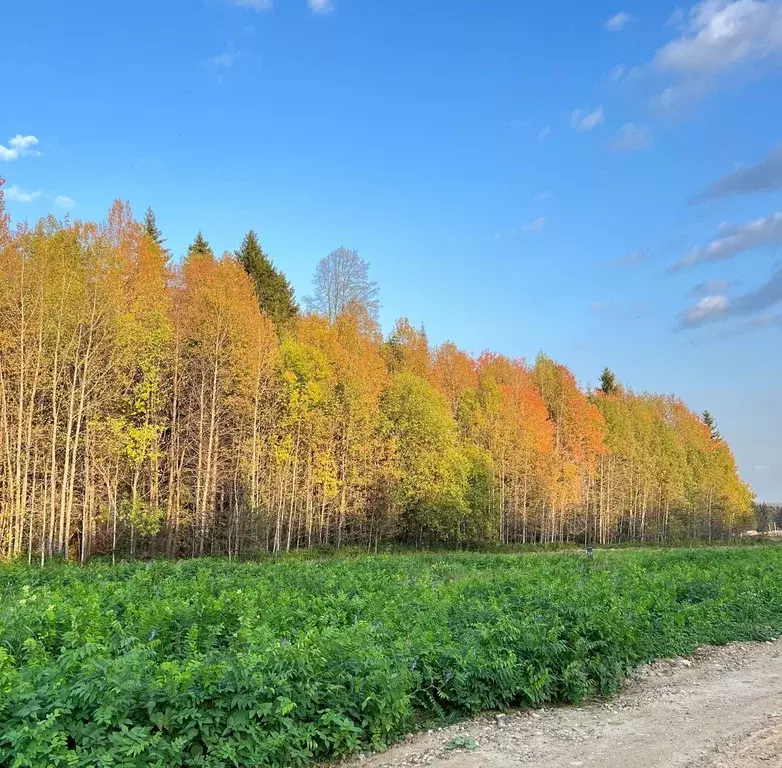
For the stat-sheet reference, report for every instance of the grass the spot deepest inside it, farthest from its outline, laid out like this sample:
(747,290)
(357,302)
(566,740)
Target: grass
(210,663)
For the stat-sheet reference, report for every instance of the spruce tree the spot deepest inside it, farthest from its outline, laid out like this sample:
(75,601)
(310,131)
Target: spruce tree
(710,422)
(274,292)
(151,227)
(199,246)
(608,385)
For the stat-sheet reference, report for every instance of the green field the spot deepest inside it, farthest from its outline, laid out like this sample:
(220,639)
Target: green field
(210,663)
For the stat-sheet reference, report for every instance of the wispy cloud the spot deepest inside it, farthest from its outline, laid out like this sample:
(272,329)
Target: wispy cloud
(584,120)
(255,5)
(617,72)
(544,195)
(752,325)
(714,308)
(224,60)
(537,225)
(64,202)
(544,133)
(20,195)
(632,258)
(676,18)
(712,287)
(630,138)
(321,6)
(721,34)
(765,176)
(618,21)
(19,146)
(707,309)
(717,36)
(735,240)
(602,306)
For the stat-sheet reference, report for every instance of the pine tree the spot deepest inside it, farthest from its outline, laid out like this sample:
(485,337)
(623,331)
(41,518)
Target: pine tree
(199,247)
(608,385)
(274,292)
(151,227)
(710,422)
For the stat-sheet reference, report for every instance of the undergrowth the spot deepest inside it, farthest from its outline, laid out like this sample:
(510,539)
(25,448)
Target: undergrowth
(209,663)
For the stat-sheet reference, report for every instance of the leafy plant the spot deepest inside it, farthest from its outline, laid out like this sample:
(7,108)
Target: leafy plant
(208,663)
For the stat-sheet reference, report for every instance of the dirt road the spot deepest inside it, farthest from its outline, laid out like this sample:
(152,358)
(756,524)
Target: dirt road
(720,709)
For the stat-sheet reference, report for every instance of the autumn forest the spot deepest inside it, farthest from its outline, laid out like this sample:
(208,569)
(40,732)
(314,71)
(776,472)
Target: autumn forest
(151,405)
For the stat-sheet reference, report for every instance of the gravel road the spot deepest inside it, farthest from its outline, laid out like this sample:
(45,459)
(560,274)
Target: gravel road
(720,709)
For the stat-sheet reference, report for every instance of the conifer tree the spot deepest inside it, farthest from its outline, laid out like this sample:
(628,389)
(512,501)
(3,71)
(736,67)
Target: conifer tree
(608,385)
(274,292)
(199,247)
(151,227)
(709,421)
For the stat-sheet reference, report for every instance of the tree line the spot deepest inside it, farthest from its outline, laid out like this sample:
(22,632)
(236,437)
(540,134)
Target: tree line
(150,406)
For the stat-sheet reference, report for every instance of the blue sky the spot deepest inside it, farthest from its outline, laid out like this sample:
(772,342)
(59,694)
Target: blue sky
(597,180)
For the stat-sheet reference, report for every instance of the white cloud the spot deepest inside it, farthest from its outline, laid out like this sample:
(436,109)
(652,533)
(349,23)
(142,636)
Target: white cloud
(711,287)
(617,72)
(735,240)
(545,132)
(713,308)
(722,33)
(765,176)
(630,138)
(715,37)
(618,21)
(224,60)
(707,309)
(544,195)
(19,146)
(602,306)
(537,225)
(255,5)
(583,120)
(64,202)
(21,195)
(321,6)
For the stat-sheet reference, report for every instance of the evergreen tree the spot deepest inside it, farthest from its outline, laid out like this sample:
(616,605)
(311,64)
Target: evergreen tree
(709,421)
(274,292)
(608,385)
(151,227)
(199,247)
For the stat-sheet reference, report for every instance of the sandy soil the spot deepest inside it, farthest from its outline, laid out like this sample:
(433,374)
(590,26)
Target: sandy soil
(720,709)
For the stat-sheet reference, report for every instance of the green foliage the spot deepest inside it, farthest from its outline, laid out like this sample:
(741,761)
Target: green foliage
(430,465)
(199,247)
(274,292)
(152,229)
(608,384)
(462,742)
(144,517)
(207,663)
(710,422)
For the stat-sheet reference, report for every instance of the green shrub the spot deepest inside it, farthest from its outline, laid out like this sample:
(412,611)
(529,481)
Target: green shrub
(209,663)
